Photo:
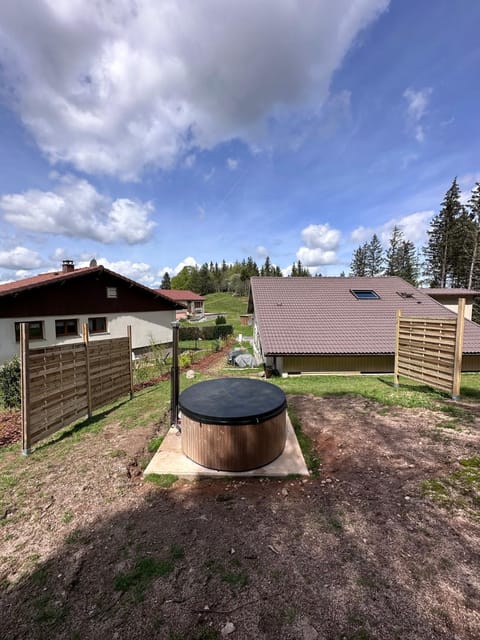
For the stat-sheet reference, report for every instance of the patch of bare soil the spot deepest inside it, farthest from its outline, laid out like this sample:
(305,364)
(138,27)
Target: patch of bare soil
(90,550)
(10,427)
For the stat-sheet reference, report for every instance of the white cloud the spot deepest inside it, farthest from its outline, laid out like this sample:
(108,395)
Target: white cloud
(20,258)
(360,234)
(316,257)
(116,86)
(414,227)
(77,210)
(138,271)
(321,243)
(417,103)
(321,236)
(189,261)
(261,251)
(232,164)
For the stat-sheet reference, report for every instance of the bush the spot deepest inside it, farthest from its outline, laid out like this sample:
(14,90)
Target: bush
(10,383)
(220,320)
(210,332)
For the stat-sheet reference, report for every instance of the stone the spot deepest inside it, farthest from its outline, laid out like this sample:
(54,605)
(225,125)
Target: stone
(190,374)
(228,629)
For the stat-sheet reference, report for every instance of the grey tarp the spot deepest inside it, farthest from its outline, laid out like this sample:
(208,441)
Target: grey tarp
(245,360)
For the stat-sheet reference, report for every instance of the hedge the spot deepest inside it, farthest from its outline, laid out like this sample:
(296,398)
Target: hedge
(10,383)
(211,332)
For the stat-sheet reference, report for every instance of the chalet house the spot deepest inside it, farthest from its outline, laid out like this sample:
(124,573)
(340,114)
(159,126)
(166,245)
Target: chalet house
(192,302)
(57,304)
(334,324)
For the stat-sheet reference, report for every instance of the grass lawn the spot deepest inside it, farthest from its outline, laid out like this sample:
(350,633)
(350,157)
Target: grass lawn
(232,307)
(380,388)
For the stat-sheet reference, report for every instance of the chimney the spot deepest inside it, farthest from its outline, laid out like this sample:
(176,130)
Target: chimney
(68,266)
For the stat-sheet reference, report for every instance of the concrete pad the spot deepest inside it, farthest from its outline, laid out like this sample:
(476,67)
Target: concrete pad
(170,459)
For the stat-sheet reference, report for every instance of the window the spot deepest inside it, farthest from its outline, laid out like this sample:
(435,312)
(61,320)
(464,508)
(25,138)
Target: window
(365,294)
(66,328)
(97,325)
(112,292)
(35,330)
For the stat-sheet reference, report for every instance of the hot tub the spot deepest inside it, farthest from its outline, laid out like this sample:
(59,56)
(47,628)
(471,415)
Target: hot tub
(233,424)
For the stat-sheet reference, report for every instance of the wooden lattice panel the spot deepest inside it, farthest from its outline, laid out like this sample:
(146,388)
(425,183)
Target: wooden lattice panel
(429,350)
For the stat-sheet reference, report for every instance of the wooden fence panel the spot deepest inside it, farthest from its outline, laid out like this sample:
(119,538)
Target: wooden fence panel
(429,350)
(109,370)
(62,384)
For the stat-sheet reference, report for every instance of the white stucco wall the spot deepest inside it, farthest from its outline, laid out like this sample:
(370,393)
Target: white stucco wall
(147,328)
(453,306)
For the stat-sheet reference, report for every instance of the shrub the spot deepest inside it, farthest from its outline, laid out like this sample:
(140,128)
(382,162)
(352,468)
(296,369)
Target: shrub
(220,320)
(10,383)
(210,332)
(185,359)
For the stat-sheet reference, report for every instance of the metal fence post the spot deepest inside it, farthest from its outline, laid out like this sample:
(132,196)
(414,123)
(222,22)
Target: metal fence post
(174,377)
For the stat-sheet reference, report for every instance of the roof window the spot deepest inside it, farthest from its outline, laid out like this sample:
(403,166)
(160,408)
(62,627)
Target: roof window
(365,294)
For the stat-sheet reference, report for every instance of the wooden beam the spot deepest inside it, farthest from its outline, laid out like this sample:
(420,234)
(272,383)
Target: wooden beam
(457,373)
(129,335)
(86,342)
(397,342)
(25,388)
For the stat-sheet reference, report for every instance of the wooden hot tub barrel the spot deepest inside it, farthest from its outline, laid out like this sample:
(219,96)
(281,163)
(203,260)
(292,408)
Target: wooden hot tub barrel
(233,424)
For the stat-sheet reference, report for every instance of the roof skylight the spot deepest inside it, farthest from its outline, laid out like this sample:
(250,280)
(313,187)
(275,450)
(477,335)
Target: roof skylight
(365,294)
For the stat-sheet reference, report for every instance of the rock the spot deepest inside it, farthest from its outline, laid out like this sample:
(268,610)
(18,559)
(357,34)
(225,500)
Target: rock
(309,632)
(284,492)
(190,374)
(228,629)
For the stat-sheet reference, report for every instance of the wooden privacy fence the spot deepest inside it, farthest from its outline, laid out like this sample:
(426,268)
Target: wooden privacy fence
(61,384)
(430,350)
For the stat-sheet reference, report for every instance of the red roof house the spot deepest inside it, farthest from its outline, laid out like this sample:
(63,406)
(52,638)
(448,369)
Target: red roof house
(193,303)
(57,304)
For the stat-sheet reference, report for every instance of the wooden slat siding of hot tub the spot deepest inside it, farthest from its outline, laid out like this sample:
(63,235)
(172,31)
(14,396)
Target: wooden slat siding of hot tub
(234,447)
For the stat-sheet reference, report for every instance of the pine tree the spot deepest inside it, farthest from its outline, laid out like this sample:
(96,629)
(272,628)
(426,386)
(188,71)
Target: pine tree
(205,281)
(474,210)
(358,265)
(266,270)
(166,284)
(439,252)
(408,264)
(393,252)
(374,257)
(463,240)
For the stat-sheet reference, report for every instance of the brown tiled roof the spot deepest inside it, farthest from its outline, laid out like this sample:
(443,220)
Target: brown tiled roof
(44,279)
(178,295)
(445,291)
(321,315)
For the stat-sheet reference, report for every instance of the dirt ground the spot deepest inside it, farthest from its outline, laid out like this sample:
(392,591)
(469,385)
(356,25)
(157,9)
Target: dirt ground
(363,551)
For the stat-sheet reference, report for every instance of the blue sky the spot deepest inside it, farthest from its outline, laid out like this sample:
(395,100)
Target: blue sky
(151,134)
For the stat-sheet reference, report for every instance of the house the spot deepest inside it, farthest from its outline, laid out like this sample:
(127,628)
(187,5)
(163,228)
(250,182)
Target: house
(449,298)
(335,324)
(57,304)
(192,301)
